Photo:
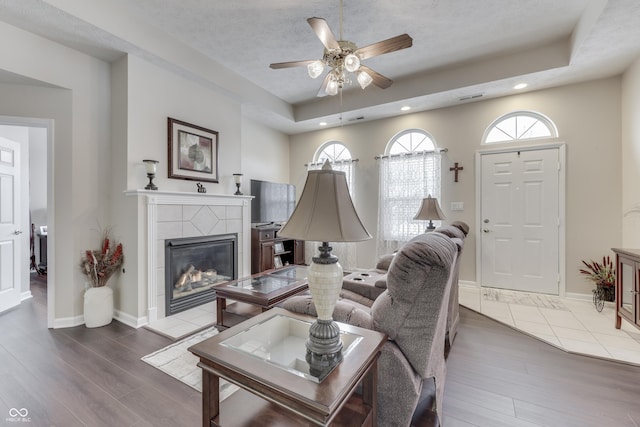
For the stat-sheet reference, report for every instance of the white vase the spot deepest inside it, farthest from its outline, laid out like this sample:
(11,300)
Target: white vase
(98,306)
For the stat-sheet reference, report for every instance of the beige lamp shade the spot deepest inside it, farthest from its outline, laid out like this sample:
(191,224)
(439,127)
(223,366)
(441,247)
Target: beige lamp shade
(430,210)
(325,211)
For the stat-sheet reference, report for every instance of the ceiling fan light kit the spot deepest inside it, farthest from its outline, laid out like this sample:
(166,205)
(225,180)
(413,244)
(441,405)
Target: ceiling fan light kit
(343,57)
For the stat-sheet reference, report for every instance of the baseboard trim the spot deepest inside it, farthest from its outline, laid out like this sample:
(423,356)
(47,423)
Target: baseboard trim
(25,296)
(129,320)
(68,322)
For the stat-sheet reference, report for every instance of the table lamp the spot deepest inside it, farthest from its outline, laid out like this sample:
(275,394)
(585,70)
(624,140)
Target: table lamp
(325,213)
(430,210)
(150,167)
(237,178)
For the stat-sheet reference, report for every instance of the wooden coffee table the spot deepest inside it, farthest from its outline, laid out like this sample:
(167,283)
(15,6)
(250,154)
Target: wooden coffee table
(264,290)
(265,357)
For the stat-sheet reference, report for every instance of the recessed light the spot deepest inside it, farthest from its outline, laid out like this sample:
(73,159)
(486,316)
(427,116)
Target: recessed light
(323,123)
(405,108)
(520,86)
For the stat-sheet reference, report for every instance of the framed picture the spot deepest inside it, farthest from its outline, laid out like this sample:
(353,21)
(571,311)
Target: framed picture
(193,152)
(278,248)
(277,262)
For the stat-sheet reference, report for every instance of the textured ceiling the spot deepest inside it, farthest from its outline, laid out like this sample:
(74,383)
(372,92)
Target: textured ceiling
(460,47)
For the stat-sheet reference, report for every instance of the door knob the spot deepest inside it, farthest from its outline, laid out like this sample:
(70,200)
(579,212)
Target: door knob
(17,232)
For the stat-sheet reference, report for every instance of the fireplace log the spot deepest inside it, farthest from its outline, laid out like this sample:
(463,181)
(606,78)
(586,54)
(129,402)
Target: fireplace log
(183,277)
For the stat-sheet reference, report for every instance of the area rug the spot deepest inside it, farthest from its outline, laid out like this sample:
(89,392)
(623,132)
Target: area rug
(175,360)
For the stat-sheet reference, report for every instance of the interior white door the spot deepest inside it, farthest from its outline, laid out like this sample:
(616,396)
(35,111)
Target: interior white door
(9,224)
(520,220)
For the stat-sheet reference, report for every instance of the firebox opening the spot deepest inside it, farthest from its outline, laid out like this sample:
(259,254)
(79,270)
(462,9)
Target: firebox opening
(193,265)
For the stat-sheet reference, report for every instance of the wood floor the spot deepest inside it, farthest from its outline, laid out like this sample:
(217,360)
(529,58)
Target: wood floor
(496,377)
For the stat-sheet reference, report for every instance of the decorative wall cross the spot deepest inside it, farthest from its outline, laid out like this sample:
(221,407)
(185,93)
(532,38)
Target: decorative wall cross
(456,168)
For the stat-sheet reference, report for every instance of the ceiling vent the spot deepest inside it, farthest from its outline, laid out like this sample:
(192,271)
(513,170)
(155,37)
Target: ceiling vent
(353,119)
(477,95)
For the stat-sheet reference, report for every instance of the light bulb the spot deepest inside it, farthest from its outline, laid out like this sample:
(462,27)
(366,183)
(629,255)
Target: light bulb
(364,79)
(315,69)
(351,63)
(332,86)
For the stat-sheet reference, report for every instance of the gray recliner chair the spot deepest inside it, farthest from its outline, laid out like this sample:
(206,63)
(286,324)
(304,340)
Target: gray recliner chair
(457,231)
(412,311)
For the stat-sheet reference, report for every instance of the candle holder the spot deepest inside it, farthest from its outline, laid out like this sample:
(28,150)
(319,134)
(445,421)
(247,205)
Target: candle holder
(150,166)
(238,179)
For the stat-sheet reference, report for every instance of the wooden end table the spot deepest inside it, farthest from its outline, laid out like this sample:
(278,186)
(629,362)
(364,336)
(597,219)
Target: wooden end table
(265,357)
(264,290)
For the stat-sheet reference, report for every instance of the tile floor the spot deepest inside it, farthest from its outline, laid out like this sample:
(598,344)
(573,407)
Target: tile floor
(573,325)
(570,324)
(186,322)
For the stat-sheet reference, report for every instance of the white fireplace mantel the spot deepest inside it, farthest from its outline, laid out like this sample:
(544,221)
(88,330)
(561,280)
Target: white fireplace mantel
(178,214)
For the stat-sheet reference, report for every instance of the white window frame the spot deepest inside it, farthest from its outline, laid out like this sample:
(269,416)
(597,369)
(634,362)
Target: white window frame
(539,117)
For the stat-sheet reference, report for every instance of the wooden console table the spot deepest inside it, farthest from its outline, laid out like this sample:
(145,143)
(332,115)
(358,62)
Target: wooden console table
(275,390)
(627,286)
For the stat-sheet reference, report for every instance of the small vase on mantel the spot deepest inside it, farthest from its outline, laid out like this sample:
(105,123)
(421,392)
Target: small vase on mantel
(98,306)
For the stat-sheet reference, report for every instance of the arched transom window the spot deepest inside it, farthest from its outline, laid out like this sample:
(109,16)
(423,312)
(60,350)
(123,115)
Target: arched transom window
(519,125)
(333,151)
(410,141)
(340,158)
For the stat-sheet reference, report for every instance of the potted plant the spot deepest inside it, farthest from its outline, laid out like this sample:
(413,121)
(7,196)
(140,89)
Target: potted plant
(603,275)
(99,265)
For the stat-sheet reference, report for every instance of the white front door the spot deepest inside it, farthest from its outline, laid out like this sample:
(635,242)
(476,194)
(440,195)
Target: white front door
(10,239)
(520,220)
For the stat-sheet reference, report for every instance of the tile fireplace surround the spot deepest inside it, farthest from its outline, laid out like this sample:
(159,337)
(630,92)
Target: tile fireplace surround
(173,215)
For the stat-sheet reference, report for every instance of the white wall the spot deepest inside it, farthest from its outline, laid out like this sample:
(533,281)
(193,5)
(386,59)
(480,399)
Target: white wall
(265,154)
(98,146)
(588,120)
(631,157)
(75,94)
(143,97)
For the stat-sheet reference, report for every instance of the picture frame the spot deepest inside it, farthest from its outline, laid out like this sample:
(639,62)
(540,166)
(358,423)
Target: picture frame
(277,262)
(193,151)
(278,247)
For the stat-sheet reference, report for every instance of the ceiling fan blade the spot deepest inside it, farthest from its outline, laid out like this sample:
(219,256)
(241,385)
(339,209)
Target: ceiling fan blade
(278,65)
(324,33)
(323,88)
(402,41)
(378,79)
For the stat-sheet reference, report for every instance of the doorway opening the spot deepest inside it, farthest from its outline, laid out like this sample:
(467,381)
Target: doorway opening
(25,259)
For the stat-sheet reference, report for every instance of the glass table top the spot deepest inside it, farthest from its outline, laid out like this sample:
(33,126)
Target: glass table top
(298,272)
(280,342)
(263,284)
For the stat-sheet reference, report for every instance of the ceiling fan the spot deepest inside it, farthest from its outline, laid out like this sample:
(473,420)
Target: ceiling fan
(343,57)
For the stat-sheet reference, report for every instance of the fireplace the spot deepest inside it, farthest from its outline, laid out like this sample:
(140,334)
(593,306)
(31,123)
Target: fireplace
(193,265)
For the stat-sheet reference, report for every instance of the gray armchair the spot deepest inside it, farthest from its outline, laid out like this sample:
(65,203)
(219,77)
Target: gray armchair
(412,311)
